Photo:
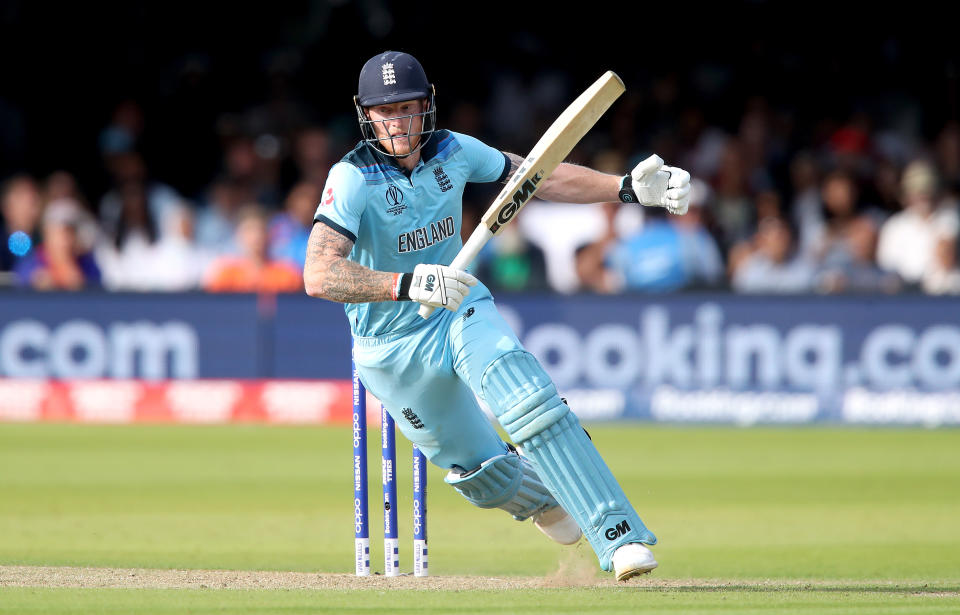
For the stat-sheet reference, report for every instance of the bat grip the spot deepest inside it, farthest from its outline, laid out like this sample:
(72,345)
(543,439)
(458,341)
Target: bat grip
(481,235)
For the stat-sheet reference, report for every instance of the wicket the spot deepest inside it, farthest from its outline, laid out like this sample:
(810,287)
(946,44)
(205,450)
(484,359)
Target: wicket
(391,542)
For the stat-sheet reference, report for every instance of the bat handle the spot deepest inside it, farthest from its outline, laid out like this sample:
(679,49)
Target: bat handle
(481,235)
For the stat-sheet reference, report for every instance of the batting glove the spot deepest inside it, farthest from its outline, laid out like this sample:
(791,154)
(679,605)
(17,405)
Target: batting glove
(434,285)
(654,184)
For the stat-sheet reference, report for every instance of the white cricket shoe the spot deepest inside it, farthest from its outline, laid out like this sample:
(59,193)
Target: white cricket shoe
(558,525)
(632,559)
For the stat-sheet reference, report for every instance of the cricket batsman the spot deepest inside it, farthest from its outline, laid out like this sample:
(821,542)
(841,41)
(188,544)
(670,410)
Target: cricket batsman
(389,215)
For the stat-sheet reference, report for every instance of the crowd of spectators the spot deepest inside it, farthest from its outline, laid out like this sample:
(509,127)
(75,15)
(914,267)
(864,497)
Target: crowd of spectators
(860,208)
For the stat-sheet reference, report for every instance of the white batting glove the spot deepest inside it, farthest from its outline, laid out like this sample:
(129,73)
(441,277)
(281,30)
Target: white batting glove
(654,184)
(434,285)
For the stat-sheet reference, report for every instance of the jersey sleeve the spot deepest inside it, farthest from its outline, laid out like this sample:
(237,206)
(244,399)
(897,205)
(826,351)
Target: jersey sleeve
(342,202)
(486,163)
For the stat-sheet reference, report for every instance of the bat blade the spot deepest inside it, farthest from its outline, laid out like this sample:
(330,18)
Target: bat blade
(555,145)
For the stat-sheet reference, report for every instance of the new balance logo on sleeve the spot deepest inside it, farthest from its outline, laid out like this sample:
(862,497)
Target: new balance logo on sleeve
(426,236)
(411,416)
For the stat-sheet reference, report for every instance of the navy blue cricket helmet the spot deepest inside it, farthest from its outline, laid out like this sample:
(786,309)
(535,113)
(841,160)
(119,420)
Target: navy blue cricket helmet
(389,77)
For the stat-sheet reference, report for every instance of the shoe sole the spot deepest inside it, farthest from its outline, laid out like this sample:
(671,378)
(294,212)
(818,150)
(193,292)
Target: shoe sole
(633,572)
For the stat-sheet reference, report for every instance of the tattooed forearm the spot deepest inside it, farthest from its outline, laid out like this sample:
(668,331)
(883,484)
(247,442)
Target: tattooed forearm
(349,282)
(329,275)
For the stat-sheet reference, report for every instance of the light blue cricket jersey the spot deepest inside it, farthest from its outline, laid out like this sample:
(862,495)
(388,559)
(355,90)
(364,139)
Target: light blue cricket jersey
(398,221)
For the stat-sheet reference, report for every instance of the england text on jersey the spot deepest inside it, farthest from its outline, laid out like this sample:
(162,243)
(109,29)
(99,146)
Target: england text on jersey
(426,236)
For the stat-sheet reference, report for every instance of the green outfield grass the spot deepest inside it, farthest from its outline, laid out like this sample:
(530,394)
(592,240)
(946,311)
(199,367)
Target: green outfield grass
(843,507)
(608,602)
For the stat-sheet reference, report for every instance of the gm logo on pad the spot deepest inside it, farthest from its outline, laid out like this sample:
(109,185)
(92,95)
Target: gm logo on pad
(620,529)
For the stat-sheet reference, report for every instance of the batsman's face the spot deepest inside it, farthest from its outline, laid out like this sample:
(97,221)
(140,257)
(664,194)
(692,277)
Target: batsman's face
(397,125)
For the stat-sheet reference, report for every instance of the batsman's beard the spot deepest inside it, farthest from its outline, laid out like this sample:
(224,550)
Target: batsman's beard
(401,146)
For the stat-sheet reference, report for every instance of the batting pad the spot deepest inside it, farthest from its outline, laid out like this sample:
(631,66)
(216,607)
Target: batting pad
(526,403)
(506,481)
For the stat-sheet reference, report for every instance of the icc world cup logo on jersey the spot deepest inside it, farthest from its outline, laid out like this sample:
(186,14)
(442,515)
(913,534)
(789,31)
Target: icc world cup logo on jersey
(394,198)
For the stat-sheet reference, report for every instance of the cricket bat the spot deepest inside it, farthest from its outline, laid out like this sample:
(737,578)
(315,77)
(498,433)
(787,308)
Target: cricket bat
(555,145)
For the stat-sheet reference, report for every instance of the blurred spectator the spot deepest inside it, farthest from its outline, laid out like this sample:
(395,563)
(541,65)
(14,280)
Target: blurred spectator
(839,199)
(123,133)
(907,239)
(179,263)
(849,146)
(590,258)
(854,268)
(21,208)
(703,262)
(217,220)
(62,185)
(58,263)
(512,263)
(805,207)
(252,271)
(704,144)
(120,146)
(142,258)
(943,275)
(253,167)
(312,155)
(733,209)
(758,144)
(886,187)
(290,229)
(126,255)
(669,252)
(652,259)
(128,168)
(773,267)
